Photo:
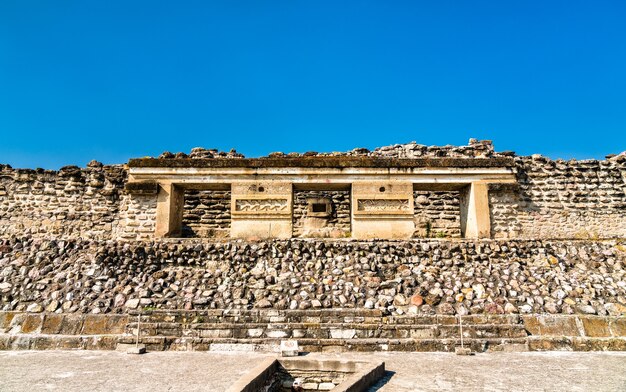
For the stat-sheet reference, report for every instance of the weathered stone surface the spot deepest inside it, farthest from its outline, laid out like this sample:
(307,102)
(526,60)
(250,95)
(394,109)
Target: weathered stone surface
(396,277)
(618,326)
(596,327)
(95,325)
(132,303)
(34,308)
(342,330)
(52,323)
(552,199)
(69,247)
(69,203)
(551,325)
(32,323)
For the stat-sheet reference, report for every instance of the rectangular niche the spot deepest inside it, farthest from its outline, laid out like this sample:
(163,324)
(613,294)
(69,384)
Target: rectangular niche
(206,213)
(321,213)
(437,214)
(308,375)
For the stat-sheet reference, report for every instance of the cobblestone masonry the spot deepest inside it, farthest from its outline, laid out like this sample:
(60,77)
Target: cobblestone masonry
(396,277)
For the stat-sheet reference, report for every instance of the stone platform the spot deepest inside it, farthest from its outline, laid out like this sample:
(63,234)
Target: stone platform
(336,330)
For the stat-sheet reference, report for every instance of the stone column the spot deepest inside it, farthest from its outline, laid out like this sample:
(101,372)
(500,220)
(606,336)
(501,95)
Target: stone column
(382,210)
(169,212)
(261,210)
(475,220)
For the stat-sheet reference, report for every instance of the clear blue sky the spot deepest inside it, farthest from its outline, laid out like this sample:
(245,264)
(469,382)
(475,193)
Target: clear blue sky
(110,80)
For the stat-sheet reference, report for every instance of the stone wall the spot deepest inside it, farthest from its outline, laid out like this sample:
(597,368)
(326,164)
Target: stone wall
(70,203)
(325,330)
(206,214)
(396,277)
(554,199)
(437,214)
(336,224)
(562,199)
(137,219)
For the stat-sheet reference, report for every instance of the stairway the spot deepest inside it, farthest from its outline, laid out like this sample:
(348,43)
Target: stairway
(322,330)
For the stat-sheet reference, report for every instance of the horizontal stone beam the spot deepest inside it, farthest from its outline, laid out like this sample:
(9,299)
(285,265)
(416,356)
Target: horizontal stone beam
(322,162)
(189,177)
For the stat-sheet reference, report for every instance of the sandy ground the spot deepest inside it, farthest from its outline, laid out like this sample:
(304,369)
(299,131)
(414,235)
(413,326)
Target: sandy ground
(211,371)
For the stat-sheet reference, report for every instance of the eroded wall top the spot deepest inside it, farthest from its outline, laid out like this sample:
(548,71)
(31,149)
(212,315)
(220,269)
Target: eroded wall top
(552,199)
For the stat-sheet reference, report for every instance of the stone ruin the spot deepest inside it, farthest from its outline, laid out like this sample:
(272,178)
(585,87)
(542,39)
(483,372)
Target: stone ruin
(363,249)
(307,375)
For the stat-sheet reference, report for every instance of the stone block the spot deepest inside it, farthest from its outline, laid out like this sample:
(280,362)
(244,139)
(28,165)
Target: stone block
(45,343)
(216,333)
(52,323)
(22,342)
(232,347)
(101,343)
(32,323)
(402,345)
(342,333)
(618,327)
(6,319)
(598,344)
(70,343)
(550,344)
(137,349)
(544,325)
(332,349)
(116,324)
(95,324)
(508,347)
(596,327)
(71,324)
(278,333)
(422,333)
(5,342)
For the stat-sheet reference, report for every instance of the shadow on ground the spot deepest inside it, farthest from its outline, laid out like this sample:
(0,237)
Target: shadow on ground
(382,381)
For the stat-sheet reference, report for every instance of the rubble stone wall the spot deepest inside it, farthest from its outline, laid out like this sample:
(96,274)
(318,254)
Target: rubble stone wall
(554,199)
(69,203)
(137,219)
(396,277)
(437,214)
(562,199)
(206,214)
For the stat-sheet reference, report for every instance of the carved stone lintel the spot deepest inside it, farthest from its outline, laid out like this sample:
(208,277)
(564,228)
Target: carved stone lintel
(383,205)
(261,206)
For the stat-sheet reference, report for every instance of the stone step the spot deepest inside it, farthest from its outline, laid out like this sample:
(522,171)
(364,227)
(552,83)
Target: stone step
(316,316)
(160,343)
(58,342)
(281,325)
(321,345)
(256,313)
(325,331)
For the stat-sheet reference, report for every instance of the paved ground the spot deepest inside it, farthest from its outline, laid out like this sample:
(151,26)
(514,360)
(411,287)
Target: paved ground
(32,371)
